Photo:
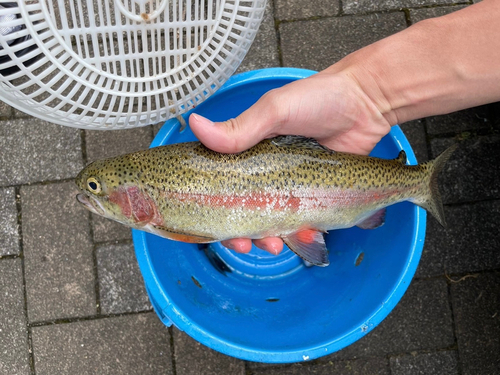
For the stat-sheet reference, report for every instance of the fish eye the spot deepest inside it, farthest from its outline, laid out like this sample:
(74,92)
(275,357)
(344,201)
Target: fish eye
(93,185)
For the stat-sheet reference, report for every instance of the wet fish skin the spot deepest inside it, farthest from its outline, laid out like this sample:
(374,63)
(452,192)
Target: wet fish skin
(289,186)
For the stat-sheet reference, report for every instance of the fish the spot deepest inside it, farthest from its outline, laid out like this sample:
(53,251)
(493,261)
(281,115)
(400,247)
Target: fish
(288,186)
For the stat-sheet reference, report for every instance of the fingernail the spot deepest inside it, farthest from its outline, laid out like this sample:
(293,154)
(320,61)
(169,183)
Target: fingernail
(202,120)
(274,250)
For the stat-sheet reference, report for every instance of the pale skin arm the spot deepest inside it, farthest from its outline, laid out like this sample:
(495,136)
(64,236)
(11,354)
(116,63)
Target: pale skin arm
(434,67)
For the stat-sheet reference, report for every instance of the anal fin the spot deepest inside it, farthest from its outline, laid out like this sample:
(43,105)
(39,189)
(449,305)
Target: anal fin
(309,244)
(178,236)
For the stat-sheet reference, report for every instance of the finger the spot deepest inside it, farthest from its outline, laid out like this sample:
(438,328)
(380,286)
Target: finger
(273,245)
(239,245)
(238,134)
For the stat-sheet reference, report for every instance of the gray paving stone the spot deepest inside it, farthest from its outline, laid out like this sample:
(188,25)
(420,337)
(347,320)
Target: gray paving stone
(415,133)
(38,151)
(421,321)
(469,243)
(334,38)
(20,114)
(264,50)
(58,253)
(191,357)
(13,334)
(472,119)
(106,230)
(417,15)
(476,307)
(472,172)
(440,363)
(5,110)
(157,127)
(132,344)
(9,229)
(102,144)
(360,6)
(121,287)
(365,366)
(297,9)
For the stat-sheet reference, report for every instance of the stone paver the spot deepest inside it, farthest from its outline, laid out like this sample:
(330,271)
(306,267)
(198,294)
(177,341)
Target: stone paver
(365,366)
(106,144)
(13,333)
(264,51)
(442,363)
(297,9)
(5,110)
(476,307)
(121,287)
(105,230)
(473,119)
(417,15)
(193,358)
(472,172)
(38,151)
(60,279)
(469,243)
(334,37)
(133,345)
(9,230)
(359,6)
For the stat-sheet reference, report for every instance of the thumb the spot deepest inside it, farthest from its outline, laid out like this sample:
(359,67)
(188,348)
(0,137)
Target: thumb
(237,134)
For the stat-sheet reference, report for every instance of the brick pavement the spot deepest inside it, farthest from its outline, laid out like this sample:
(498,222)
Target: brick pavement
(72,300)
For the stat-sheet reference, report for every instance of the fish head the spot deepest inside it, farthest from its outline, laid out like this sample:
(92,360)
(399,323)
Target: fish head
(111,188)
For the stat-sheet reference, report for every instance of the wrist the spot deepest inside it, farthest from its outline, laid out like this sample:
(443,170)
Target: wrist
(398,76)
(434,67)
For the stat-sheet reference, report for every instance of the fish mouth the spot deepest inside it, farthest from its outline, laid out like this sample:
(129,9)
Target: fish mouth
(91,204)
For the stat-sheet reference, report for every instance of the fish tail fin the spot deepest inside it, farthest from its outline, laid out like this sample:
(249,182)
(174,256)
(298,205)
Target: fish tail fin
(431,201)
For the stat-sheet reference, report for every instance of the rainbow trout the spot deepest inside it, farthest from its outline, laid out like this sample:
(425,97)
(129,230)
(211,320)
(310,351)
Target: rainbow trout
(288,186)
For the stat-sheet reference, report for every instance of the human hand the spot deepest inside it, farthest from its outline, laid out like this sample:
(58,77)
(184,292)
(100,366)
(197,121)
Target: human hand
(329,106)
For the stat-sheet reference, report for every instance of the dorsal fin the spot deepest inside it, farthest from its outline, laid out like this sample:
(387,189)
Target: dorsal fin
(299,142)
(401,157)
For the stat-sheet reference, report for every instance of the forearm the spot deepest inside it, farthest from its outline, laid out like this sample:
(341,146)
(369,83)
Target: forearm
(436,66)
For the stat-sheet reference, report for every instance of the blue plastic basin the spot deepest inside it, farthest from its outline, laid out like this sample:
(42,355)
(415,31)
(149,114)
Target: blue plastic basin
(266,308)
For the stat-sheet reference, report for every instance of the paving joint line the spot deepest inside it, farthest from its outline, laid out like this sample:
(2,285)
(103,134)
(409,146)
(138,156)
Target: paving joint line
(406,11)
(469,202)
(40,183)
(460,275)
(453,325)
(85,318)
(95,268)
(172,349)
(29,338)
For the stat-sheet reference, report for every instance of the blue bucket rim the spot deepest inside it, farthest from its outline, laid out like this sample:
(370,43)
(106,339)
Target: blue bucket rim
(170,313)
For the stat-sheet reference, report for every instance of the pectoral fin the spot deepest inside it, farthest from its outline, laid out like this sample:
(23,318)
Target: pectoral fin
(309,244)
(374,221)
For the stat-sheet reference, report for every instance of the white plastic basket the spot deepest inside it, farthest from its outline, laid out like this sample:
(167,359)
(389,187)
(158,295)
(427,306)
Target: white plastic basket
(113,64)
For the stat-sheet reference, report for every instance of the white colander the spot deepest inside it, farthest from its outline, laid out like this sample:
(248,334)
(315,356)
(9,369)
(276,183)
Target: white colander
(113,64)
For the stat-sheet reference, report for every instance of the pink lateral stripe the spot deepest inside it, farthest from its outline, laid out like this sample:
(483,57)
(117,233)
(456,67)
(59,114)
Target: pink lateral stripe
(315,199)
(256,200)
